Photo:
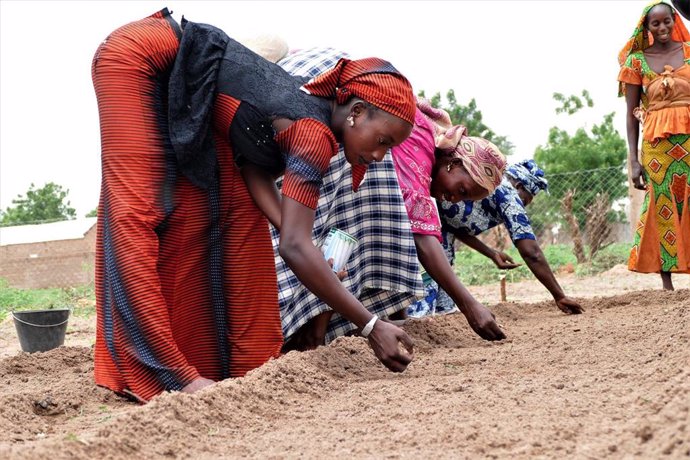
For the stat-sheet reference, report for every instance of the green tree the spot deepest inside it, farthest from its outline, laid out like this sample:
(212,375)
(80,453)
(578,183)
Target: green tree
(588,164)
(602,148)
(572,104)
(472,118)
(46,204)
(92,213)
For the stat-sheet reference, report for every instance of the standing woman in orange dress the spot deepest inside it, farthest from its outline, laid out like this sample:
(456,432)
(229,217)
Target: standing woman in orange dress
(194,129)
(655,79)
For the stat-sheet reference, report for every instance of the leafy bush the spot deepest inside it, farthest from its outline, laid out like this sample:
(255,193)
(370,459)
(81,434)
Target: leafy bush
(605,259)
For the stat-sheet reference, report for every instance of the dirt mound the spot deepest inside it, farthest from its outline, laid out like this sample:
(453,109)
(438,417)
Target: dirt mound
(444,331)
(51,393)
(613,382)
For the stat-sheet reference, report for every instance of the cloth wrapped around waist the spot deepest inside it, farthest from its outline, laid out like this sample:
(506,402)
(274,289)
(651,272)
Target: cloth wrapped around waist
(668,109)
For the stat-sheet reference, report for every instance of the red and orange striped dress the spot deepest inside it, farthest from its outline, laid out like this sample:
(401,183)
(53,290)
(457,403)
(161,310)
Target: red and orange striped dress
(185,276)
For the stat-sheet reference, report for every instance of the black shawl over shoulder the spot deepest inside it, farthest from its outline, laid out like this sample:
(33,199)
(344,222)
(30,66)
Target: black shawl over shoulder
(208,62)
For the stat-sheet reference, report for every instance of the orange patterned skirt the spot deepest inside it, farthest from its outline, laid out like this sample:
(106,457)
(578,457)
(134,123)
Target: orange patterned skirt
(662,238)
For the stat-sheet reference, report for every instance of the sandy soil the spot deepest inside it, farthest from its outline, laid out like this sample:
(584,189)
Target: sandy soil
(611,383)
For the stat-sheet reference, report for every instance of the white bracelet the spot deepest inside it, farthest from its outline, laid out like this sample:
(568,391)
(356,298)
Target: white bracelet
(366,330)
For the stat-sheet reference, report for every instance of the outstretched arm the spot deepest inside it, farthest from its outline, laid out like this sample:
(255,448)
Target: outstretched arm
(501,259)
(432,257)
(534,258)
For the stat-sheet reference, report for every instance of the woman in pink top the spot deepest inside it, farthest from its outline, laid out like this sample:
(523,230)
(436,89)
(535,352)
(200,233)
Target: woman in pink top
(439,161)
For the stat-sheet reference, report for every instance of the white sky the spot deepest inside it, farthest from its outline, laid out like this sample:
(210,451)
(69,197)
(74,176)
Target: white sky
(511,56)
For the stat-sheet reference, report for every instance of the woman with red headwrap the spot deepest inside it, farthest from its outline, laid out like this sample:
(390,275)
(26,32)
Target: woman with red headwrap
(194,128)
(655,79)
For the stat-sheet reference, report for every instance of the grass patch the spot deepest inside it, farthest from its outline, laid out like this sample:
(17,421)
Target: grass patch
(605,259)
(80,299)
(475,269)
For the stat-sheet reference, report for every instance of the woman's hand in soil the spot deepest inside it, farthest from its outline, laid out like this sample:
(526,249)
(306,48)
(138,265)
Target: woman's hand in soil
(197,384)
(569,306)
(483,322)
(386,340)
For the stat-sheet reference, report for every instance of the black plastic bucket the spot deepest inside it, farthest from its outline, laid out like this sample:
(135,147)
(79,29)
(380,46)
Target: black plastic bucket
(41,330)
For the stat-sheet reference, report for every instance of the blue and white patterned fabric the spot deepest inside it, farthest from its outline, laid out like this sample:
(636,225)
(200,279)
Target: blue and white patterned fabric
(425,306)
(436,301)
(529,175)
(383,272)
(504,206)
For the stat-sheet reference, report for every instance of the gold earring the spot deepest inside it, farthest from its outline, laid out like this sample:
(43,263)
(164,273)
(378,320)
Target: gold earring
(450,165)
(351,120)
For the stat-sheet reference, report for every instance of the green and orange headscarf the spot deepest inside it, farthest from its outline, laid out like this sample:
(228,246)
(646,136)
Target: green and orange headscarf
(641,39)
(373,80)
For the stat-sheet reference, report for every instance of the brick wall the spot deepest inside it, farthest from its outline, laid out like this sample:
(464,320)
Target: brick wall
(50,264)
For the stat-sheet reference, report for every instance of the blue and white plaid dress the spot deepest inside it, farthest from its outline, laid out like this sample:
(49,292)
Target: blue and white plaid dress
(383,272)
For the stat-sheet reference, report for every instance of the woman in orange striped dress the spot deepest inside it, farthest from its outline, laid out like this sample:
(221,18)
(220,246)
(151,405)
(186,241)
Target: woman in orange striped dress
(194,129)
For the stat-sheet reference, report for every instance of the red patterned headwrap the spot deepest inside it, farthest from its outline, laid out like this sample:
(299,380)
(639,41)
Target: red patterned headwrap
(373,80)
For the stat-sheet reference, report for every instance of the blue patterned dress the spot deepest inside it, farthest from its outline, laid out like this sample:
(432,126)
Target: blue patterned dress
(504,206)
